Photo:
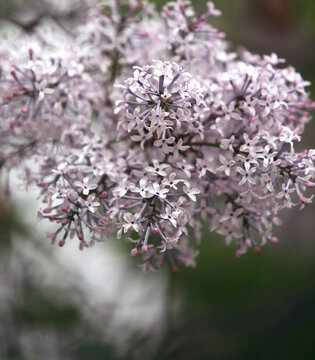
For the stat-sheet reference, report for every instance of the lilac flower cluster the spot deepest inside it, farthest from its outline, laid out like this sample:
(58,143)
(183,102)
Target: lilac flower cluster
(156,150)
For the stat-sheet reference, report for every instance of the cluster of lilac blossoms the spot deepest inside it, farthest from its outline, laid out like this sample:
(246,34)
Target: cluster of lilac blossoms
(147,126)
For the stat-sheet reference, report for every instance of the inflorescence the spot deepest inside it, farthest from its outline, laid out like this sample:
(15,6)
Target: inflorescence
(122,144)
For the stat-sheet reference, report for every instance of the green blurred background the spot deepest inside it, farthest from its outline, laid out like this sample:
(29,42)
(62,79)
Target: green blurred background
(258,307)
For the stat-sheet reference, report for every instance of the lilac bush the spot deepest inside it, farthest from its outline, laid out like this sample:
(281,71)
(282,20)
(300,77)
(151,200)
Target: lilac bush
(148,126)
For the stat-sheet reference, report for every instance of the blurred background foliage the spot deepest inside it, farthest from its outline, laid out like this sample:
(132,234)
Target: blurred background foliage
(258,307)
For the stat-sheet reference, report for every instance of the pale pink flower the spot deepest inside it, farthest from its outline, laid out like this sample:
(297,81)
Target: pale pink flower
(157,168)
(246,174)
(170,215)
(157,190)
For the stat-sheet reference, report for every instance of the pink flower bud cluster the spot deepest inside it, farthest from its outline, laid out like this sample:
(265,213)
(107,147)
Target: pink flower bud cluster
(151,129)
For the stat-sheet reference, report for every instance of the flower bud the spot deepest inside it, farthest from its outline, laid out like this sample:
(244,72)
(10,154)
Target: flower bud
(257,249)
(31,53)
(133,252)
(305,201)
(155,230)
(61,242)
(274,240)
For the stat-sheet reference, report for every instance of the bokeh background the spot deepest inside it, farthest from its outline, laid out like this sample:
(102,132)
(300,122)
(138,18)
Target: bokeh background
(66,304)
